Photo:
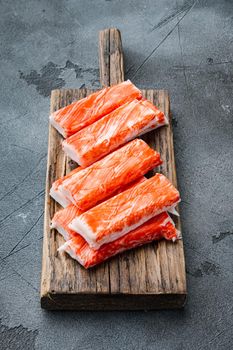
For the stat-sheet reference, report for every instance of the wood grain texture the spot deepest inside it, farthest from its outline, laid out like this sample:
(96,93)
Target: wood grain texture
(110,57)
(150,277)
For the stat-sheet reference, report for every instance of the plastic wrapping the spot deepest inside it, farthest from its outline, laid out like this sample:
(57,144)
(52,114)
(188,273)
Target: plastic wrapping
(113,130)
(126,211)
(104,178)
(79,114)
(159,227)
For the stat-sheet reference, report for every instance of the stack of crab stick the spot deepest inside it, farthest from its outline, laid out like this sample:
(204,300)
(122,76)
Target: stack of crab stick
(109,206)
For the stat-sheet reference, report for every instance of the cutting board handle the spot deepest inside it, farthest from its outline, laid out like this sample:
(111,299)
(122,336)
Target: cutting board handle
(110,57)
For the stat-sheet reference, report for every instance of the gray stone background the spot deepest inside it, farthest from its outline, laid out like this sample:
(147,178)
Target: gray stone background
(183,46)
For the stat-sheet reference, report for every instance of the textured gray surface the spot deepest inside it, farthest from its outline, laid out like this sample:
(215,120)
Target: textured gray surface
(53,44)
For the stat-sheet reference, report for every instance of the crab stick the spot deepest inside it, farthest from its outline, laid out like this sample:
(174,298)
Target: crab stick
(115,129)
(55,192)
(160,226)
(76,116)
(63,217)
(126,211)
(102,179)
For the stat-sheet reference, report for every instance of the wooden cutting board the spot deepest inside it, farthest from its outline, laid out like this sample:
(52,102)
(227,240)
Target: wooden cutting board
(150,277)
